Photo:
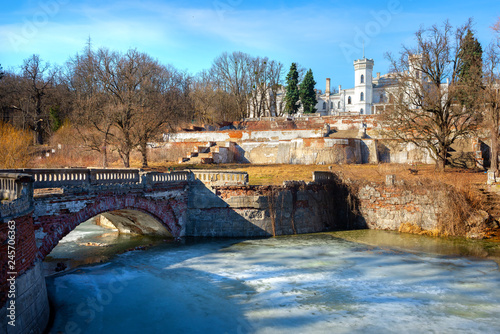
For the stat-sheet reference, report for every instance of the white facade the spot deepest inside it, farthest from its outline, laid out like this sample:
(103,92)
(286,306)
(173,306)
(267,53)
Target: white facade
(367,97)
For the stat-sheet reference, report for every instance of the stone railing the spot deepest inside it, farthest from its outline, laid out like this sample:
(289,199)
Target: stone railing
(85,178)
(88,178)
(79,177)
(115,176)
(221,177)
(16,193)
(154,178)
(323,177)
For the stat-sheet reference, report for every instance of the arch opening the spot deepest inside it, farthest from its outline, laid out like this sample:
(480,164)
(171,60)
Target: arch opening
(132,221)
(103,236)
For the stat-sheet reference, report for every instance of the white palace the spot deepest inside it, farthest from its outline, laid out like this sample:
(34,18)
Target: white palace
(368,95)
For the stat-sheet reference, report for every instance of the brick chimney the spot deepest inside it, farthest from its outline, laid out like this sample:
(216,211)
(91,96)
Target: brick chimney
(327,90)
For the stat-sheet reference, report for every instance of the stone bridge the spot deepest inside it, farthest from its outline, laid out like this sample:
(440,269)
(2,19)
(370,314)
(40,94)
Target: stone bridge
(58,200)
(40,206)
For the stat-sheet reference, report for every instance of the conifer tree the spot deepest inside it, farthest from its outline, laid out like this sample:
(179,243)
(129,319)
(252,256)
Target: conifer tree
(307,93)
(470,71)
(292,90)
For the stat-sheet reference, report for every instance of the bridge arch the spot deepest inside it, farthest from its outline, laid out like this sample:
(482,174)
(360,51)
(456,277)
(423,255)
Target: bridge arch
(131,212)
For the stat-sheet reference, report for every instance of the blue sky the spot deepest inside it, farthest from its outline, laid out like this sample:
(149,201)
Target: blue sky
(325,36)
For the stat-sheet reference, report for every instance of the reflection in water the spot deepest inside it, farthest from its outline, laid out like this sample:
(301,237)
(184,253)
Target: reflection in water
(452,246)
(89,243)
(322,283)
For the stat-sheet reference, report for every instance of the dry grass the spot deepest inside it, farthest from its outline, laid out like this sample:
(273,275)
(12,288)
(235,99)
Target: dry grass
(415,229)
(276,174)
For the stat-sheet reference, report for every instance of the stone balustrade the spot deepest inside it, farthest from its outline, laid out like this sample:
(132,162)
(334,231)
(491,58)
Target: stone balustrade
(323,177)
(154,178)
(79,178)
(86,178)
(16,185)
(16,193)
(221,177)
(8,187)
(114,176)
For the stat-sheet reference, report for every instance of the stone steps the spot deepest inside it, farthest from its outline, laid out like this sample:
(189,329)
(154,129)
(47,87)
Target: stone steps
(202,154)
(209,152)
(490,202)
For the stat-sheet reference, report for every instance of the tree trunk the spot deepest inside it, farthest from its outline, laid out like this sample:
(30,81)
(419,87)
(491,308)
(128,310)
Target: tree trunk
(105,152)
(441,158)
(144,151)
(494,147)
(442,164)
(125,158)
(105,157)
(38,132)
(38,121)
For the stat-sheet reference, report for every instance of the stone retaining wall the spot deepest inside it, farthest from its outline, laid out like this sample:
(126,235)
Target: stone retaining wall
(31,304)
(386,207)
(261,211)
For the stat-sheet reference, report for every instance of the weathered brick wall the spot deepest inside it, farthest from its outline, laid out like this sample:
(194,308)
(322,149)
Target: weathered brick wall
(25,249)
(387,207)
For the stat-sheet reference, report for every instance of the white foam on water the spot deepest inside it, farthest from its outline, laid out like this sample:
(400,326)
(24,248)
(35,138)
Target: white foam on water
(289,285)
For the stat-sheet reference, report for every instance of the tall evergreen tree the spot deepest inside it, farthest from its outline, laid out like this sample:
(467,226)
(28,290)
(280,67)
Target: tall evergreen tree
(307,93)
(292,90)
(470,70)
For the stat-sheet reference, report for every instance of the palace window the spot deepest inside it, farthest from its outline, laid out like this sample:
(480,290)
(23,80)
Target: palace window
(324,105)
(362,96)
(361,111)
(362,78)
(349,100)
(338,105)
(381,98)
(331,105)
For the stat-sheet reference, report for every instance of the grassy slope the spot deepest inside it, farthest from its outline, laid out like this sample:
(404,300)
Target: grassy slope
(276,174)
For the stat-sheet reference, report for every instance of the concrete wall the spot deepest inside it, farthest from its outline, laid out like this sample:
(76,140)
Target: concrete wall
(244,135)
(274,140)
(303,146)
(303,151)
(320,150)
(310,122)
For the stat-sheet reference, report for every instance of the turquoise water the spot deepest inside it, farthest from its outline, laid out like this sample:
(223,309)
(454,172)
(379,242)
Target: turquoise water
(324,283)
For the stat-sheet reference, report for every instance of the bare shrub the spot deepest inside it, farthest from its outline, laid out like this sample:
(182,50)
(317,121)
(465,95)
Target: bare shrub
(15,147)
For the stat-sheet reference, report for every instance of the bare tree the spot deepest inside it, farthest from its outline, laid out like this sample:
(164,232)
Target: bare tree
(274,78)
(491,94)
(163,98)
(125,100)
(231,74)
(204,97)
(266,81)
(93,115)
(39,78)
(426,106)
(258,95)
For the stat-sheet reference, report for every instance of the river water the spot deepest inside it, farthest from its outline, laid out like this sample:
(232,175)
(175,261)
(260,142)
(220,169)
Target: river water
(342,282)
